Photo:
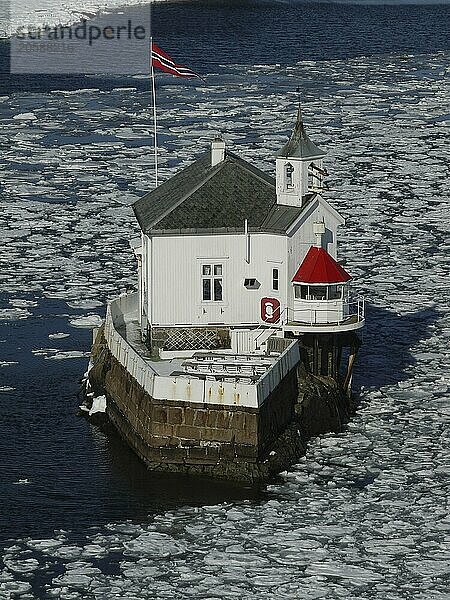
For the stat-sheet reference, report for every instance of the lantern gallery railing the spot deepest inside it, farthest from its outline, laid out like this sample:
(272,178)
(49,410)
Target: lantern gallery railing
(325,313)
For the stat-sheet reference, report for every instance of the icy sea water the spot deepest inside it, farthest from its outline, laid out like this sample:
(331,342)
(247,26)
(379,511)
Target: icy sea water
(365,513)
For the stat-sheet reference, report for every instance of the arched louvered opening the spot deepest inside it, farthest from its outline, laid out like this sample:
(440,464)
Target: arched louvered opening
(288,176)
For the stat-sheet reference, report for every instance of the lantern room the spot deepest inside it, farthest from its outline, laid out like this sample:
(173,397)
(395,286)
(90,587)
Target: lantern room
(321,298)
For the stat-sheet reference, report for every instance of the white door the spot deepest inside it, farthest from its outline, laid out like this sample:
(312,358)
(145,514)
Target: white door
(212,309)
(242,341)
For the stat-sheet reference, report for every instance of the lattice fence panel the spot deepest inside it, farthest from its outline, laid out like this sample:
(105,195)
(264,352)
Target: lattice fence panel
(191,339)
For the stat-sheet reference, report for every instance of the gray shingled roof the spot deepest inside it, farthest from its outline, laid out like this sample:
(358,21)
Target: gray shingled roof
(202,198)
(299,144)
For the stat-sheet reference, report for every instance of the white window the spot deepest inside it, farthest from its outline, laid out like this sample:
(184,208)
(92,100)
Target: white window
(301,291)
(275,279)
(334,292)
(212,283)
(317,292)
(288,172)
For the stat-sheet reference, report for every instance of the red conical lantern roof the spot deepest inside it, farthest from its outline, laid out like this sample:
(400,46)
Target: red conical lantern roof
(319,267)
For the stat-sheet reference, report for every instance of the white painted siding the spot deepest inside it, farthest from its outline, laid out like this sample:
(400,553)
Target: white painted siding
(302,237)
(292,195)
(172,269)
(176,285)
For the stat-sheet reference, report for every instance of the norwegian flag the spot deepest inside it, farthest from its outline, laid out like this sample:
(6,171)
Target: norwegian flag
(162,61)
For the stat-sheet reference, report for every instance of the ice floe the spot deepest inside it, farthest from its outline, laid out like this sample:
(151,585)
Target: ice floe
(98,405)
(55,354)
(14,314)
(155,544)
(88,321)
(25,117)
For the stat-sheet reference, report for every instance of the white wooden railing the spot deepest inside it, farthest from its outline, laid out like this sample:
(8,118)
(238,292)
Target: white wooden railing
(188,388)
(275,375)
(116,314)
(331,312)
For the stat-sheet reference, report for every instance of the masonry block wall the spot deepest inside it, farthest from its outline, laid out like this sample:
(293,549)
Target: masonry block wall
(164,431)
(243,445)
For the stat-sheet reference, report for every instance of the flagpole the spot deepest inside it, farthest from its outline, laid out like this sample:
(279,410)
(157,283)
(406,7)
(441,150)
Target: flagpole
(155,133)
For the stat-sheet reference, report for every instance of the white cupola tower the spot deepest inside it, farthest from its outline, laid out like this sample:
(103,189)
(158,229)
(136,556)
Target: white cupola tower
(299,169)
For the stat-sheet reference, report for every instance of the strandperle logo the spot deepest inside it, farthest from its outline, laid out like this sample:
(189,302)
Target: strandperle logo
(82,32)
(113,43)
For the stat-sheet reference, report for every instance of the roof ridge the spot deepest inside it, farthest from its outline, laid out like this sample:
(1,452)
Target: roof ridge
(201,196)
(256,171)
(166,181)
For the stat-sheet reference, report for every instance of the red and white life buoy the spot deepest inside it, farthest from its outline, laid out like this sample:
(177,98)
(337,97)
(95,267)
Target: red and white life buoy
(270,310)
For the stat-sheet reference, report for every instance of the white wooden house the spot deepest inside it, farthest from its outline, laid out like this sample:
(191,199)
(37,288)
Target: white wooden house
(222,242)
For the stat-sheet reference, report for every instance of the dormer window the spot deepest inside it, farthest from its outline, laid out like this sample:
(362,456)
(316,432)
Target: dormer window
(288,175)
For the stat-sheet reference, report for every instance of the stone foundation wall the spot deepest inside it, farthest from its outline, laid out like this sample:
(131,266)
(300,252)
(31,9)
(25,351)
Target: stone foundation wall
(190,433)
(230,442)
(235,443)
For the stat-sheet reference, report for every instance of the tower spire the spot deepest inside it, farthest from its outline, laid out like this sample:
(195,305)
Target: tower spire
(298,165)
(299,144)
(299,109)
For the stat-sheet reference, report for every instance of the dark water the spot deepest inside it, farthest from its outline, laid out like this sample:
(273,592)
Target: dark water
(209,35)
(78,477)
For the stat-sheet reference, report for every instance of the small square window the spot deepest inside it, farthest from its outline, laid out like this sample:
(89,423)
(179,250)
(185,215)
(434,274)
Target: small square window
(301,291)
(334,292)
(218,270)
(251,283)
(318,292)
(206,270)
